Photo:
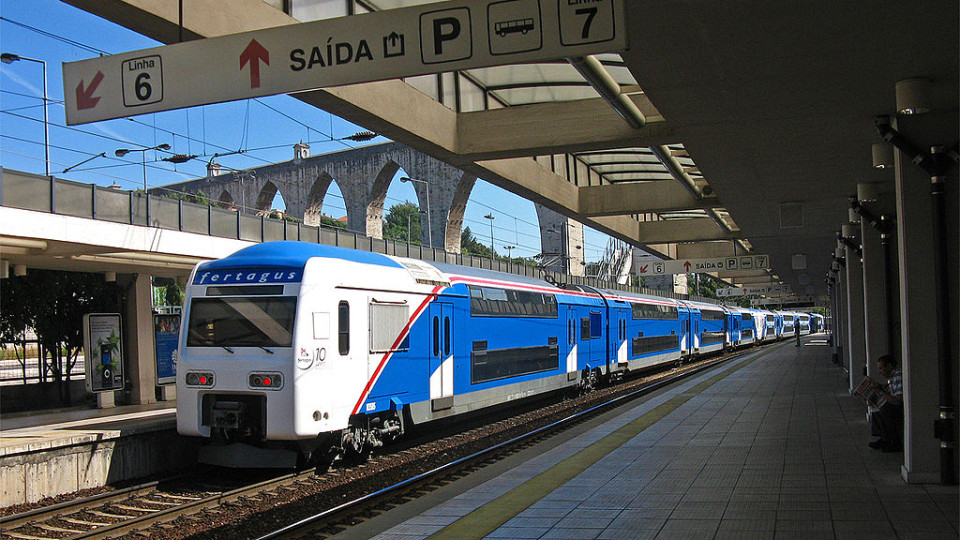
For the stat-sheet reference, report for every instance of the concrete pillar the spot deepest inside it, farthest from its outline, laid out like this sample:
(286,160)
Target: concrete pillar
(919,351)
(138,337)
(856,346)
(561,242)
(841,320)
(874,303)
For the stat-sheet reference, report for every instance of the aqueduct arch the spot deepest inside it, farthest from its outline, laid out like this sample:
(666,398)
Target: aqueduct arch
(363,175)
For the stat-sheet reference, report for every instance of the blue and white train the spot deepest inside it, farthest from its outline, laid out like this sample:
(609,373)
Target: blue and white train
(291,350)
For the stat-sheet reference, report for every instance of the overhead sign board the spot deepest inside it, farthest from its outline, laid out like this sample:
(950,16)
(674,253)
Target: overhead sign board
(389,44)
(753,290)
(716,264)
(798,301)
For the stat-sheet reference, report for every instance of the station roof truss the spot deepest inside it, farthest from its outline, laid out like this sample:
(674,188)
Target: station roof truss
(744,111)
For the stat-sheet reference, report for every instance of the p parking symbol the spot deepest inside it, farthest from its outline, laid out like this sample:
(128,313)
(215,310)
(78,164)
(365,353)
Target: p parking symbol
(446,36)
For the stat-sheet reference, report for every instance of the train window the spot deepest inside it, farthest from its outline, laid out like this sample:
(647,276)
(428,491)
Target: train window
(436,336)
(496,302)
(585,328)
(711,315)
(446,336)
(596,324)
(654,311)
(242,322)
(652,344)
(343,327)
(387,322)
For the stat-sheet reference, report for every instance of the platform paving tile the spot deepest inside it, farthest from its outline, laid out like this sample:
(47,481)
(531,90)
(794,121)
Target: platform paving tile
(526,522)
(708,494)
(518,533)
(744,535)
(689,528)
(759,524)
(699,510)
(866,529)
(628,533)
(571,534)
(745,458)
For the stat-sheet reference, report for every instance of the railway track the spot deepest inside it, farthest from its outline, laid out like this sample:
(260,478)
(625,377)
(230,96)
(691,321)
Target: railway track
(156,510)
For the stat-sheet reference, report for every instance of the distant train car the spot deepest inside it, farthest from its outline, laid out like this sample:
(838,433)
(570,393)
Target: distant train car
(709,327)
(816,323)
(292,351)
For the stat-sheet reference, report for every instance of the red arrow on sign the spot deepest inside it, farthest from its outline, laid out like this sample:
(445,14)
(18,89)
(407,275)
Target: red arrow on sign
(85,99)
(686,265)
(253,54)
(643,269)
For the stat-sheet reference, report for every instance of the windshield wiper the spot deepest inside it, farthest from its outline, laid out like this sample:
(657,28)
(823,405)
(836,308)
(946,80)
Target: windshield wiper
(266,349)
(228,349)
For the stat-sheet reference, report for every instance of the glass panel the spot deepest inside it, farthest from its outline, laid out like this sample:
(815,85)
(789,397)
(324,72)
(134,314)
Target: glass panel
(309,233)
(195,218)
(328,236)
(113,205)
(249,228)
(164,213)
(74,199)
(242,322)
(139,208)
(272,230)
(292,230)
(27,192)
(224,223)
(343,328)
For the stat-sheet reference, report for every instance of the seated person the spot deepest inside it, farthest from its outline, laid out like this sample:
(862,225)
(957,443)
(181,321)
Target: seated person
(890,416)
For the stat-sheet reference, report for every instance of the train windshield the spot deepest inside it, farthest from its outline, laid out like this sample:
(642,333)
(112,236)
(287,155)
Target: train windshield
(242,322)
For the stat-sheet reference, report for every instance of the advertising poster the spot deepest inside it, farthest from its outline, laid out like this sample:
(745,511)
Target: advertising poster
(167,334)
(103,352)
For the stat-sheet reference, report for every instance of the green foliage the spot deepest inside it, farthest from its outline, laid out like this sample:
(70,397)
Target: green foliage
(53,304)
(200,197)
(330,223)
(395,223)
(470,245)
(167,292)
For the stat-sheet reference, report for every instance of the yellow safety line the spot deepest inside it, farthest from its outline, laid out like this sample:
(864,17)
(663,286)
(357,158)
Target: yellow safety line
(489,517)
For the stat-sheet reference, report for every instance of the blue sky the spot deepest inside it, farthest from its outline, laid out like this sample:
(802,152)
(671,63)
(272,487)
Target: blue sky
(265,128)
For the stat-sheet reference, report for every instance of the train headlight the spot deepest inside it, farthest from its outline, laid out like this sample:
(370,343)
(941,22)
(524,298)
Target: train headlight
(198,378)
(266,381)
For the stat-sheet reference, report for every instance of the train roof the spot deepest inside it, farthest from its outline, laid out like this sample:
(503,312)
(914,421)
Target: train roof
(483,274)
(290,254)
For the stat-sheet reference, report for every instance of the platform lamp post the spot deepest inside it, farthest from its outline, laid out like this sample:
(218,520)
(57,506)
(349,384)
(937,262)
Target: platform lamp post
(509,251)
(120,152)
(409,216)
(429,223)
(9,58)
(493,254)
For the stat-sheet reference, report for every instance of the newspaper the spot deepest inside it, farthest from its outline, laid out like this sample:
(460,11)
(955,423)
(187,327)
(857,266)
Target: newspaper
(871,391)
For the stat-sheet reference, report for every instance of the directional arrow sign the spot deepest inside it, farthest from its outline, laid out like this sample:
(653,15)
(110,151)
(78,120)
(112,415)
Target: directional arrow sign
(718,264)
(388,44)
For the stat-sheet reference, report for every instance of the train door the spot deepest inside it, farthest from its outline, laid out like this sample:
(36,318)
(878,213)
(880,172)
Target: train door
(572,329)
(684,316)
(622,353)
(441,350)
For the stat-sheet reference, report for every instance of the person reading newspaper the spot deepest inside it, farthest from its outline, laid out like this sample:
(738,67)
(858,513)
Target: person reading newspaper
(889,399)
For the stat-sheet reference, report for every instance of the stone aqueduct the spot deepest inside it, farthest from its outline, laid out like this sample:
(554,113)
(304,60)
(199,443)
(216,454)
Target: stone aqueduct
(363,176)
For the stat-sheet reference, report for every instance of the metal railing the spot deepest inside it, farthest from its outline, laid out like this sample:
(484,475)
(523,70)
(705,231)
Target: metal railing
(55,195)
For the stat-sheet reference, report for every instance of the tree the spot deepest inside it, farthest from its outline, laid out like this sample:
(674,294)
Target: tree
(167,292)
(53,304)
(395,223)
(471,246)
(330,223)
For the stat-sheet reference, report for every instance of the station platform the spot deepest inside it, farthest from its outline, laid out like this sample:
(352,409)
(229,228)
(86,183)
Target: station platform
(49,453)
(769,445)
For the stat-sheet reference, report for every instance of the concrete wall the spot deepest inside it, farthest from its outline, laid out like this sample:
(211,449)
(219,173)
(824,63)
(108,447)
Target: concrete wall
(33,467)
